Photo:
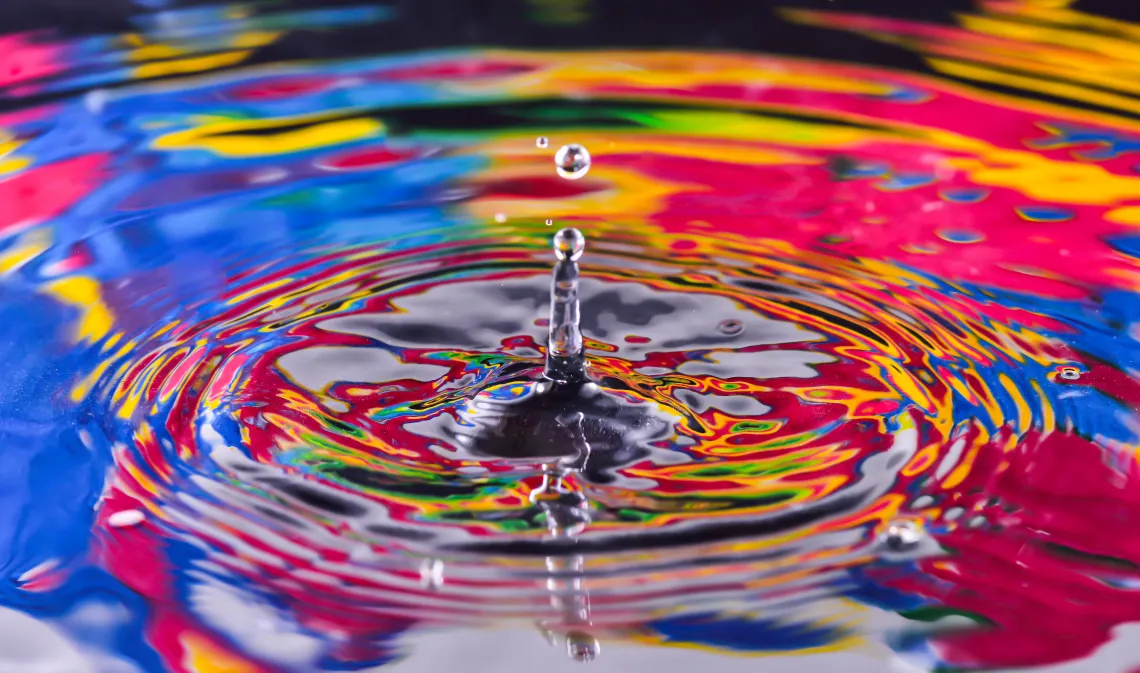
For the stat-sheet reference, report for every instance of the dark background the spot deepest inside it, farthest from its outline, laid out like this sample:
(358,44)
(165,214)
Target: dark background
(736,25)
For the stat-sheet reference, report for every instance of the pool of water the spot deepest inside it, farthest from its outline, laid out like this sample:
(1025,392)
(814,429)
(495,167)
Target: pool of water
(858,310)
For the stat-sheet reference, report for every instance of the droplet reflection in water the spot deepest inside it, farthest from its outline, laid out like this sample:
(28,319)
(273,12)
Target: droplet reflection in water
(582,647)
(572,161)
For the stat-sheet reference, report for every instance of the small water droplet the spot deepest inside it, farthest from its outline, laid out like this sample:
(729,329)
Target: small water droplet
(572,161)
(126,518)
(542,141)
(901,535)
(549,222)
(569,244)
(582,646)
(431,574)
(500,217)
(1070,373)
(730,327)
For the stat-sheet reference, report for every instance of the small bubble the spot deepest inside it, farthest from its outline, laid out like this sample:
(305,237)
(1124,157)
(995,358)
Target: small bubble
(569,244)
(572,161)
(126,518)
(1070,373)
(500,217)
(582,647)
(901,535)
(542,142)
(431,574)
(730,327)
(549,222)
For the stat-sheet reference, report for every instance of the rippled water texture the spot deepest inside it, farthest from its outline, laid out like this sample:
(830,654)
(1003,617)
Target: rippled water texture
(871,334)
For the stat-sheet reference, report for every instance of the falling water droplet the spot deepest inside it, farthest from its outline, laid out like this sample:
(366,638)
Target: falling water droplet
(572,161)
(582,646)
(126,518)
(500,217)
(542,141)
(901,535)
(569,244)
(730,327)
(549,222)
(431,574)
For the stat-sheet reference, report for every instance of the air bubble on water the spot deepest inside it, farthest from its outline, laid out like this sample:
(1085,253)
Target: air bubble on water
(572,161)
(901,535)
(126,518)
(569,243)
(730,327)
(431,574)
(542,142)
(500,217)
(582,647)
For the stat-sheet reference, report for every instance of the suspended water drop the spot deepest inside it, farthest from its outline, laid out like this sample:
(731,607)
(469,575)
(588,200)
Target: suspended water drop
(500,217)
(572,161)
(126,518)
(730,327)
(549,222)
(569,244)
(901,535)
(582,646)
(542,142)
(431,574)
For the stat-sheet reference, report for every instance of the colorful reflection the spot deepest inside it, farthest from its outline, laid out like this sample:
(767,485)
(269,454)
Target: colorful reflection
(256,315)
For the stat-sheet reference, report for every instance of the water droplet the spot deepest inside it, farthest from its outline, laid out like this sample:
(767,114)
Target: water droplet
(572,161)
(549,222)
(126,518)
(901,535)
(1070,373)
(500,217)
(542,141)
(582,646)
(569,243)
(431,574)
(730,327)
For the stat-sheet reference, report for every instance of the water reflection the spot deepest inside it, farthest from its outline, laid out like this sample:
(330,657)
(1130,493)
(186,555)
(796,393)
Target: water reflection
(860,343)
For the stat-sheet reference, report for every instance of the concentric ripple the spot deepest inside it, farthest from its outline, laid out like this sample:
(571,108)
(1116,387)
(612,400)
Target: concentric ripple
(318,417)
(863,346)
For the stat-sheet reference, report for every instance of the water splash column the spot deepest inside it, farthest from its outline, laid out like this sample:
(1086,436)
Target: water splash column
(565,352)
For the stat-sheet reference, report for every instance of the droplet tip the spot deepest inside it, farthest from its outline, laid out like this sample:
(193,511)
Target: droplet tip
(569,243)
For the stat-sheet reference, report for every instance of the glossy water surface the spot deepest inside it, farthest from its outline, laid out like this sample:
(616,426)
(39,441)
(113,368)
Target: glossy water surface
(862,346)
